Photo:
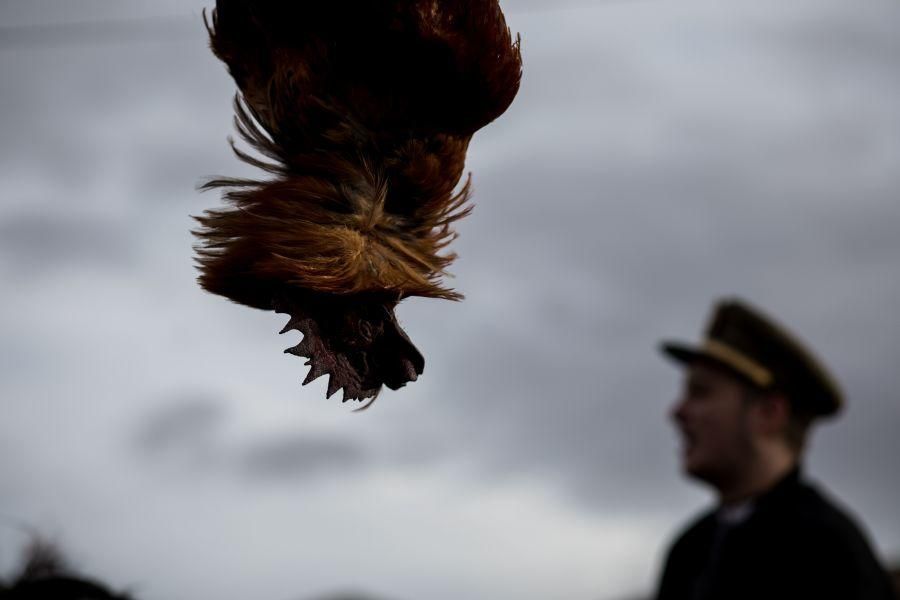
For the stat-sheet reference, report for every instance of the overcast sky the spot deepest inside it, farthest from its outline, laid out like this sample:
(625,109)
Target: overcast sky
(659,155)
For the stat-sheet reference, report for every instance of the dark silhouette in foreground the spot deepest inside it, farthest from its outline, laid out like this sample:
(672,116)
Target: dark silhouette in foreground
(44,575)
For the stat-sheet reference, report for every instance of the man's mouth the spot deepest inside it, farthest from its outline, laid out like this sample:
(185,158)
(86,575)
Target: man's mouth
(688,439)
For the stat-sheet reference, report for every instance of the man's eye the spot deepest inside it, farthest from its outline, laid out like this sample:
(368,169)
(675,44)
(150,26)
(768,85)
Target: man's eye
(697,390)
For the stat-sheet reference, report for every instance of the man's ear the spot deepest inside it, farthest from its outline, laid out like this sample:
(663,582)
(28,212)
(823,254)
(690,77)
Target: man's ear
(774,412)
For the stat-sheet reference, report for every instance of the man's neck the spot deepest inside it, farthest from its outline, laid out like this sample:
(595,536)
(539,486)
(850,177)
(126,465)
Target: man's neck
(756,480)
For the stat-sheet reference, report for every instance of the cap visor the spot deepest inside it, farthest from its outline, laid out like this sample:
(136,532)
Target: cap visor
(688,355)
(682,353)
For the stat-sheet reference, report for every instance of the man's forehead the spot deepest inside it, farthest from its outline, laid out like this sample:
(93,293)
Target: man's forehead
(703,372)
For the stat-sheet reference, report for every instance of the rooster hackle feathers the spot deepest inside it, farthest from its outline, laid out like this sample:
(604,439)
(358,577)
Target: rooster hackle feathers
(363,111)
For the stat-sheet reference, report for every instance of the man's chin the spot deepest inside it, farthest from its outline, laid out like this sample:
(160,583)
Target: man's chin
(689,460)
(695,469)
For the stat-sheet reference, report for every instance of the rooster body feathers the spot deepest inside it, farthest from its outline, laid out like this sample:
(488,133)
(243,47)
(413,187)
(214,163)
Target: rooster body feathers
(363,111)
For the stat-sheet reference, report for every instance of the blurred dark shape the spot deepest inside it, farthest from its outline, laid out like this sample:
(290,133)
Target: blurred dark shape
(895,577)
(363,112)
(44,575)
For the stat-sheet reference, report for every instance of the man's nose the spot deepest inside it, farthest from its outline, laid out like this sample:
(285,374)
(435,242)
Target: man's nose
(677,411)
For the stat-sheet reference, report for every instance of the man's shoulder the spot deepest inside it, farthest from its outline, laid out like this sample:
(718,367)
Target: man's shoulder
(810,522)
(828,540)
(815,512)
(698,531)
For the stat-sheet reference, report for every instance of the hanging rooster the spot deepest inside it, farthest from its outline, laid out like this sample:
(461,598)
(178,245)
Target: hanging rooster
(363,110)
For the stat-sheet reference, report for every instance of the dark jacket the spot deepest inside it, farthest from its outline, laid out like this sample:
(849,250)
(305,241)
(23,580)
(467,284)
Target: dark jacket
(794,545)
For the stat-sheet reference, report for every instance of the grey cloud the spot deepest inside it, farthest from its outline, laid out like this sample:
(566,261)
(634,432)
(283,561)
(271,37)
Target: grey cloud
(106,31)
(18,14)
(93,139)
(189,432)
(576,410)
(844,42)
(39,242)
(185,421)
(299,456)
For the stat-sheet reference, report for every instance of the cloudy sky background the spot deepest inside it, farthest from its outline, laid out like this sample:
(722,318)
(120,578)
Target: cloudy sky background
(659,155)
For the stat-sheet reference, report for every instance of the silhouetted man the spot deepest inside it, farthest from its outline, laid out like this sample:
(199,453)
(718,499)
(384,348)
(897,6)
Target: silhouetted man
(751,393)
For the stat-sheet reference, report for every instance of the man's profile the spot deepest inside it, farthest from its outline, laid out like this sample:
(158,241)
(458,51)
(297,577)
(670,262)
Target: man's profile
(751,393)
